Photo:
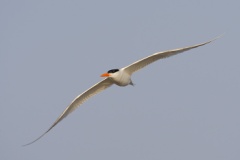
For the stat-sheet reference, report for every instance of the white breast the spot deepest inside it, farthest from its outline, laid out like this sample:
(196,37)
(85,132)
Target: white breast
(121,78)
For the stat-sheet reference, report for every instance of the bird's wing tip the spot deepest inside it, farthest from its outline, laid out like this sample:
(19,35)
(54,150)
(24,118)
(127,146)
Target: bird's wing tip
(220,36)
(31,142)
(35,139)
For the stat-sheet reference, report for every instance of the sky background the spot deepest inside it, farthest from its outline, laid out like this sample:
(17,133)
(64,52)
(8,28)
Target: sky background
(182,108)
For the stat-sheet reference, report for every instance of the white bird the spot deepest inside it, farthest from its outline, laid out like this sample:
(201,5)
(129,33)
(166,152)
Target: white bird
(120,77)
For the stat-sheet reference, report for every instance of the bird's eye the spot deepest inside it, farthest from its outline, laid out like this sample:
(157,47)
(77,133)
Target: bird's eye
(113,70)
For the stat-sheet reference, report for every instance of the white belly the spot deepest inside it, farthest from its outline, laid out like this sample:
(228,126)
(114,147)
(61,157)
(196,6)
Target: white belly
(122,78)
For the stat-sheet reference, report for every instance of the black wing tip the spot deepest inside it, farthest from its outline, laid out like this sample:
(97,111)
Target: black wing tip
(34,140)
(24,145)
(54,124)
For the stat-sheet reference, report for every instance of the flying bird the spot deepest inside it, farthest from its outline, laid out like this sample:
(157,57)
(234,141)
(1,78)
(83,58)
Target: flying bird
(120,77)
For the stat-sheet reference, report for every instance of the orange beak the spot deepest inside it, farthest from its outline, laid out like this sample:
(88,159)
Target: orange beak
(105,75)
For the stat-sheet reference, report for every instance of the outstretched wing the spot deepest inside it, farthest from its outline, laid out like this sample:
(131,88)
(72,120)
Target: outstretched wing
(159,55)
(78,101)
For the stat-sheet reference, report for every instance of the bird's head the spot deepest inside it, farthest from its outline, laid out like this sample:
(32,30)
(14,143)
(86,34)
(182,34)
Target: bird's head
(109,73)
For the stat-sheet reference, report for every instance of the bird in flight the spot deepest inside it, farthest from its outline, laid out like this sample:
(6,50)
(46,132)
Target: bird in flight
(120,77)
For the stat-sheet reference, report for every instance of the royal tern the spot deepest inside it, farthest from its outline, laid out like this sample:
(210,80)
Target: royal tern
(120,77)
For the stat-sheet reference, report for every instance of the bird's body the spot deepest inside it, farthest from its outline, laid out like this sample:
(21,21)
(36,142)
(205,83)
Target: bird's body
(120,77)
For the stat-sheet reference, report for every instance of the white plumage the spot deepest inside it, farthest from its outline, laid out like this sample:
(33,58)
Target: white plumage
(120,77)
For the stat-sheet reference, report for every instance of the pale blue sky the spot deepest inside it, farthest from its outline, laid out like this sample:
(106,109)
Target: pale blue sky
(182,108)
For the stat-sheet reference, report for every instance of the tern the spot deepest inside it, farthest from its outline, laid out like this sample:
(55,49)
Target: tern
(120,77)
